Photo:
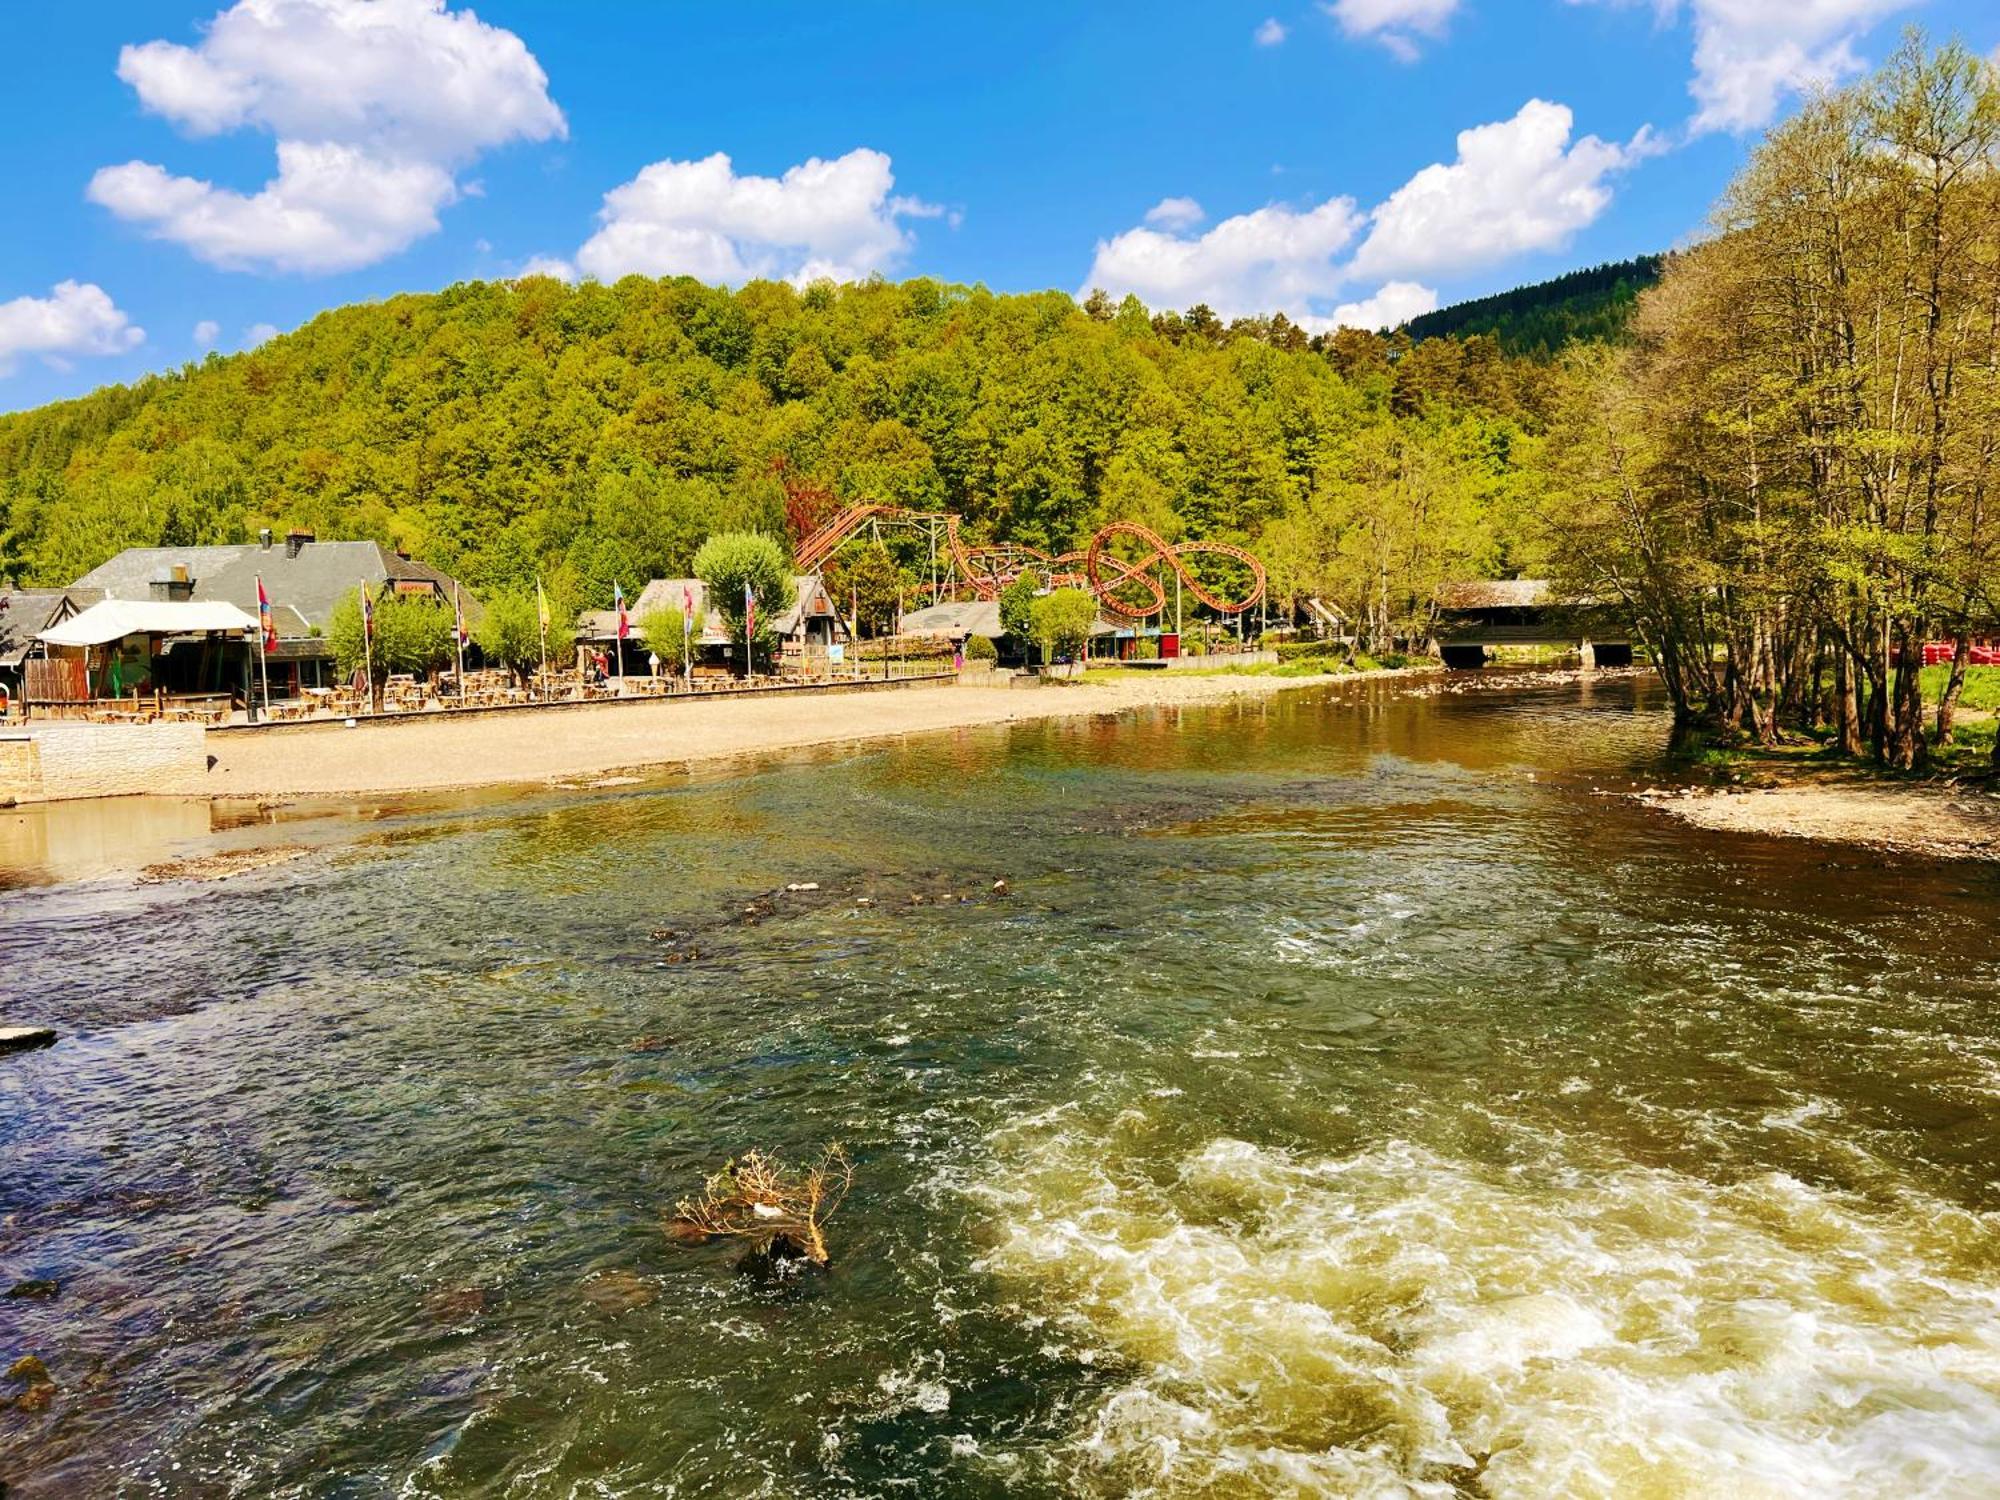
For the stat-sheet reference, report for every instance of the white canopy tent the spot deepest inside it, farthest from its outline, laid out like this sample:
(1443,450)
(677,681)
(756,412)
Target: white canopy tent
(115,619)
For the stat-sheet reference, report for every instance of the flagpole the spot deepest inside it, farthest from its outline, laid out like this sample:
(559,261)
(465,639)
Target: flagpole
(458,639)
(367,644)
(542,624)
(264,643)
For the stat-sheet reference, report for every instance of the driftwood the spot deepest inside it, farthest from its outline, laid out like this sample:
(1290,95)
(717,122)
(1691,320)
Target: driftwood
(780,1214)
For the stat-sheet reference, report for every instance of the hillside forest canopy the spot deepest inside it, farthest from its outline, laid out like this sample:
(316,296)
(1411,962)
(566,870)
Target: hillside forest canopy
(1773,450)
(594,433)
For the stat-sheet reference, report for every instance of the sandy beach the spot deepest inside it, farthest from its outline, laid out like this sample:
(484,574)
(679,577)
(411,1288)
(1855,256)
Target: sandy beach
(451,751)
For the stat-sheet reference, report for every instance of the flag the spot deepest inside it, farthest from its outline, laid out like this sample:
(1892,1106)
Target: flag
(749,613)
(687,600)
(458,618)
(367,613)
(264,625)
(541,606)
(618,602)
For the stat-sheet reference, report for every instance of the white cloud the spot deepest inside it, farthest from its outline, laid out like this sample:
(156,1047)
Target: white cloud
(1270,33)
(374,104)
(1395,303)
(206,332)
(1517,185)
(1750,55)
(76,319)
(1396,24)
(836,219)
(1277,259)
(259,333)
(548,265)
(1175,213)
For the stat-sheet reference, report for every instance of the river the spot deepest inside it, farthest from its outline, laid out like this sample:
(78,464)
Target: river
(1344,1096)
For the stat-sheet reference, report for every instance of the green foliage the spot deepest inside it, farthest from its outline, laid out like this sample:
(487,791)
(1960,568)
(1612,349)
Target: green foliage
(411,636)
(979,648)
(593,435)
(1543,319)
(867,579)
(1062,621)
(667,635)
(1981,692)
(1017,607)
(730,562)
(509,633)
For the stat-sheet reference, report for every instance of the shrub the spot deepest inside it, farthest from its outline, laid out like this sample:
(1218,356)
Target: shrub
(979,648)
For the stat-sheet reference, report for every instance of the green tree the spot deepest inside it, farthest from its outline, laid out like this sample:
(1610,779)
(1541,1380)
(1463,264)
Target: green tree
(1062,621)
(411,636)
(510,634)
(667,635)
(870,581)
(1017,608)
(731,562)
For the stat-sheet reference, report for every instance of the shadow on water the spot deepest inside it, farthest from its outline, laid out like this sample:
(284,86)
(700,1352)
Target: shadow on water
(1338,1096)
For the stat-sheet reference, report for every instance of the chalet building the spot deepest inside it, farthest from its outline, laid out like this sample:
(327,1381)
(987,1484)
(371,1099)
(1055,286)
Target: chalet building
(25,614)
(306,580)
(806,632)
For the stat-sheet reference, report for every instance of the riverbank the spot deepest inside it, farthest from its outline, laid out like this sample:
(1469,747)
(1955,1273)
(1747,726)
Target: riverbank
(442,754)
(1844,806)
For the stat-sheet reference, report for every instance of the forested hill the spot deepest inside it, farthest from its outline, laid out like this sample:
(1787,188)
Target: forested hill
(597,433)
(1543,319)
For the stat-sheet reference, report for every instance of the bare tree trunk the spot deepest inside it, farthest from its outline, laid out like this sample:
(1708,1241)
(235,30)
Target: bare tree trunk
(1947,708)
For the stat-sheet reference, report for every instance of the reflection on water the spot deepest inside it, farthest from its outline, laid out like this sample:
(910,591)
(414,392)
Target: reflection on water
(56,841)
(1340,1099)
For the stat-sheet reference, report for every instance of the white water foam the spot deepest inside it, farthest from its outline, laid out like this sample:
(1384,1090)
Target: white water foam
(1398,1323)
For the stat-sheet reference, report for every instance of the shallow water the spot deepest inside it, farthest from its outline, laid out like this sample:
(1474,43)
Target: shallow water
(1342,1099)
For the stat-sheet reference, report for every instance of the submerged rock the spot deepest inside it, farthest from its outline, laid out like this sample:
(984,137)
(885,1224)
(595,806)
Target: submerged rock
(22,1038)
(618,1291)
(36,1287)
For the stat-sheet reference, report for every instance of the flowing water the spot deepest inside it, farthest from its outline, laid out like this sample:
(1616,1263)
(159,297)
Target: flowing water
(1343,1098)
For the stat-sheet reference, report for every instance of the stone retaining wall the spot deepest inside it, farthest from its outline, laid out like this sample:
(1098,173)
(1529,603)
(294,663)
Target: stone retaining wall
(58,761)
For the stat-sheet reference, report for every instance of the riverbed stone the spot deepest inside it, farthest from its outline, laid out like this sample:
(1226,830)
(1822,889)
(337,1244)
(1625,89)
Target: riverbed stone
(23,1038)
(36,1287)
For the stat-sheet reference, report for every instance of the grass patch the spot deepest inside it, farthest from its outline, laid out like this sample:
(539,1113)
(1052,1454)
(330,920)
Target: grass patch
(1982,686)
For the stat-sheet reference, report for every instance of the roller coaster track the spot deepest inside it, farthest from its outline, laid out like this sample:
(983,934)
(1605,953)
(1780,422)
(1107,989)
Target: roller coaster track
(989,569)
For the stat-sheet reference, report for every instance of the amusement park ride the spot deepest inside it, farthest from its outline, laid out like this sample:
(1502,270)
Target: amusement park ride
(1131,587)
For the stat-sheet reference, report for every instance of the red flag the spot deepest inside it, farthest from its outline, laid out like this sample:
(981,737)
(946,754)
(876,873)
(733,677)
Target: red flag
(269,631)
(367,614)
(624,622)
(687,598)
(749,613)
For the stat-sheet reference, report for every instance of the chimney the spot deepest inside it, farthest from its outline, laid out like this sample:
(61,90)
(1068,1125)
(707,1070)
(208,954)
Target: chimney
(264,538)
(294,540)
(176,587)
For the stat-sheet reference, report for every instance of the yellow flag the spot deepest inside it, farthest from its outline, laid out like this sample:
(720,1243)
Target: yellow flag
(541,605)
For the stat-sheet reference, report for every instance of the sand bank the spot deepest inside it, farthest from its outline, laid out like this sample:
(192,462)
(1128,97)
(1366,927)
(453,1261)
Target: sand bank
(451,751)
(1946,822)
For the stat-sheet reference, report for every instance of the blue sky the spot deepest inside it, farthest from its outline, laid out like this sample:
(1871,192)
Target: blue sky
(189,177)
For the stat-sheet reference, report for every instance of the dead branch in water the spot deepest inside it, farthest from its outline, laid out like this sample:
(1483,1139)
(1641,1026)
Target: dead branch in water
(777,1212)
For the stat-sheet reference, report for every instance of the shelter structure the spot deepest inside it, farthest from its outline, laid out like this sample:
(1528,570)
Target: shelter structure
(25,614)
(1479,616)
(149,657)
(305,578)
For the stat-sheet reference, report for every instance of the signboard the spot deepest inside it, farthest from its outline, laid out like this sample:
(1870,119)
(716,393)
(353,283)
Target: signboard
(836,653)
